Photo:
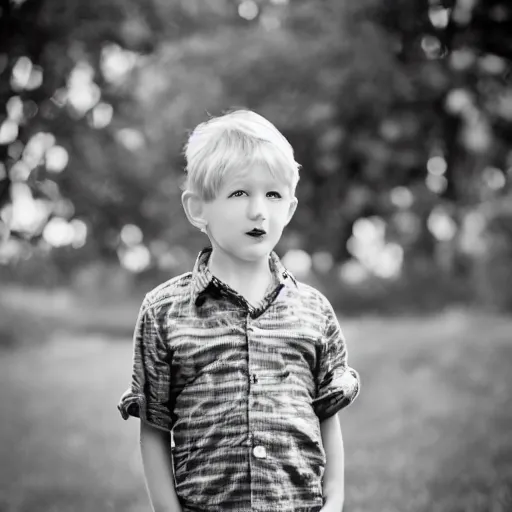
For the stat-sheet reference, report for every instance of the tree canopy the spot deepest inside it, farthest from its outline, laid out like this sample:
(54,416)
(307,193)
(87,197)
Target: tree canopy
(400,114)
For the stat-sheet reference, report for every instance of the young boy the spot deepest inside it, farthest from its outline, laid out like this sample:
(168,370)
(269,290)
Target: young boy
(246,365)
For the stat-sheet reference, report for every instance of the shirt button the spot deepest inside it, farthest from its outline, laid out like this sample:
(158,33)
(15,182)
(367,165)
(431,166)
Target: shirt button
(259,452)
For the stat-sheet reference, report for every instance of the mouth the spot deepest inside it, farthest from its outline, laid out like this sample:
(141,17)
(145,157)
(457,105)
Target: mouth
(256,233)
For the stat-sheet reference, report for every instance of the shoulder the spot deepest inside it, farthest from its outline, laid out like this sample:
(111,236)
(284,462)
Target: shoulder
(311,306)
(175,290)
(313,297)
(321,311)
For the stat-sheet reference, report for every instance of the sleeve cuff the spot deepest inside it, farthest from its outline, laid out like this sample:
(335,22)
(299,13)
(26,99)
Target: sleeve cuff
(338,394)
(135,405)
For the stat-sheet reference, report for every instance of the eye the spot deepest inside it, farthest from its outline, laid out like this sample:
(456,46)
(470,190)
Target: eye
(274,194)
(238,193)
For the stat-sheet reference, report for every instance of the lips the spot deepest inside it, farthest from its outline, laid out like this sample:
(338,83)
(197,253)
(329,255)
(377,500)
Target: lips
(256,233)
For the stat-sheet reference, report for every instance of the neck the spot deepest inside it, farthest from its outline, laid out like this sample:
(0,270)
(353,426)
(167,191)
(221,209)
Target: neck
(250,278)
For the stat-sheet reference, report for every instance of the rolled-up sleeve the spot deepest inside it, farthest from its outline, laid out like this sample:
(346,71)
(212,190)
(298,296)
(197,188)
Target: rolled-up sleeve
(337,384)
(148,396)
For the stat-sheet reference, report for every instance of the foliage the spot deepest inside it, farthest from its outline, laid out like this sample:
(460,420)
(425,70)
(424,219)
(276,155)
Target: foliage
(493,270)
(400,111)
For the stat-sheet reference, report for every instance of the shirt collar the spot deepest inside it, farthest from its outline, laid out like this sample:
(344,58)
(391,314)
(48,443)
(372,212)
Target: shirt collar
(202,277)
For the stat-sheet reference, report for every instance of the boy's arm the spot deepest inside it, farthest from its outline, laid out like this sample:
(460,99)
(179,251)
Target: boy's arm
(334,475)
(155,448)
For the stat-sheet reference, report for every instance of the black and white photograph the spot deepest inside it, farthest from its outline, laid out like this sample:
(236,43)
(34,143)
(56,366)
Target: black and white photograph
(256,256)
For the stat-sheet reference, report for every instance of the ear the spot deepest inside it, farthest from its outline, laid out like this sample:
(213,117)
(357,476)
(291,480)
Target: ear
(293,206)
(194,209)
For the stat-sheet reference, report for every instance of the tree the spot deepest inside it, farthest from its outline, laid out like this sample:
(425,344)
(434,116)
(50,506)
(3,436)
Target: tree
(394,108)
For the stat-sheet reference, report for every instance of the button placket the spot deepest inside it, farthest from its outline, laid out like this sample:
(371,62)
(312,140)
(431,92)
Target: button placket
(249,330)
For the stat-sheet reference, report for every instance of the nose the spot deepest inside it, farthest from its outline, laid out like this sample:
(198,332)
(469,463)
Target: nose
(257,208)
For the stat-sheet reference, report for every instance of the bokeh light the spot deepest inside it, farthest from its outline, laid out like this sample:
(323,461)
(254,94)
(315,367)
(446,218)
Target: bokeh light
(131,139)
(19,171)
(368,245)
(14,108)
(441,225)
(439,16)
(37,147)
(83,94)
(8,131)
(248,9)
(437,165)
(323,261)
(58,232)
(102,115)
(136,258)
(57,159)
(131,235)
(435,183)
(27,215)
(21,72)
(116,63)
(401,197)
(298,261)
(494,178)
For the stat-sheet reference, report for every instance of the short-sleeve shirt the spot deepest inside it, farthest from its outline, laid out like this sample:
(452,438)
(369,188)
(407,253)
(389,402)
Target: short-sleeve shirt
(242,388)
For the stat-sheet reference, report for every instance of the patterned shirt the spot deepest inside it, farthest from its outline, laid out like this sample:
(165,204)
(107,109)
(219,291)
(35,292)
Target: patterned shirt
(242,388)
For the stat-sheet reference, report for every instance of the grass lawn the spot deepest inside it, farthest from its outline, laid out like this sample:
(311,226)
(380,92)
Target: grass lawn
(431,430)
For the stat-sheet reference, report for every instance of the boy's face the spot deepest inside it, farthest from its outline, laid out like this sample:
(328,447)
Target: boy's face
(247,217)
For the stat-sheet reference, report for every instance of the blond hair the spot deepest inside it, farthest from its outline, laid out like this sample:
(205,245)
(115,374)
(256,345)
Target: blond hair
(233,142)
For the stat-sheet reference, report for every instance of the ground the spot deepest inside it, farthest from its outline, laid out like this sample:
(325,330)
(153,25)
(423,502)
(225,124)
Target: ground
(429,432)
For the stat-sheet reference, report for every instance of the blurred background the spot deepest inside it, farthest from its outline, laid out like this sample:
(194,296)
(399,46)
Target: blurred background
(400,113)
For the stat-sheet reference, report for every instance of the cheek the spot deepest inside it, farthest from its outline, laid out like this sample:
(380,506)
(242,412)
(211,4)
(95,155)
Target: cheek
(221,212)
(226,217)
(281,214)
(277,223)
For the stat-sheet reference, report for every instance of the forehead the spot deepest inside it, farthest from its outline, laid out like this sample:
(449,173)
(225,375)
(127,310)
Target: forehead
(254,174)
